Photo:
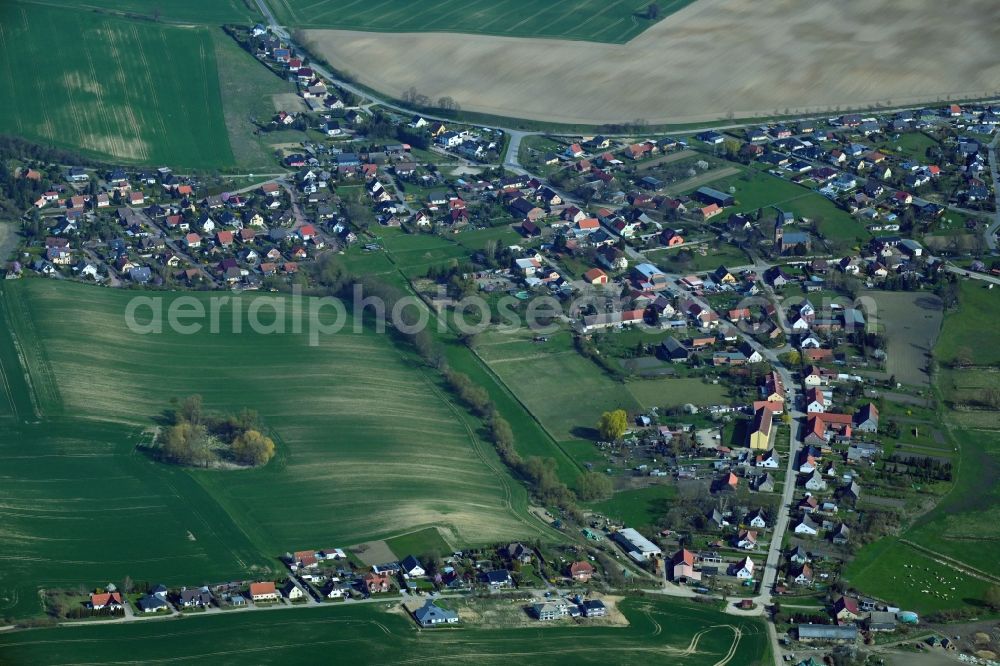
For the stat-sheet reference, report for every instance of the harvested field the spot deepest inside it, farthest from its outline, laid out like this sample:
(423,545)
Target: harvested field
(710,59)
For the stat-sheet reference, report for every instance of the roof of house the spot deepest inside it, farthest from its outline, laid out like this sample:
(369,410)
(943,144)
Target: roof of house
(266,587)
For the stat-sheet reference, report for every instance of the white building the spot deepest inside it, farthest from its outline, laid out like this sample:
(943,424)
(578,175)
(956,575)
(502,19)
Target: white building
(638,547)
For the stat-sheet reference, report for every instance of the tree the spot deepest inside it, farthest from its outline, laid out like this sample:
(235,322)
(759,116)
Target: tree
(253,448)
(992,597)
(613,424)
(593,486)
(190,409)
(184,443)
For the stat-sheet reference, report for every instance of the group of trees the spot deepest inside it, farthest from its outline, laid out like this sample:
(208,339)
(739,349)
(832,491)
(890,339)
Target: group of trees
(197,437)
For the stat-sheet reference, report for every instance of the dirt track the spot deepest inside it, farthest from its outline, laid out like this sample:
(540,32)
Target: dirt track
(713,58)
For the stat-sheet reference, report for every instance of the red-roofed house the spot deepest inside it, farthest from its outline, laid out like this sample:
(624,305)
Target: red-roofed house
(596,276)
(263,591)
(375,583)
(112,600)
(682,566)
(581,571)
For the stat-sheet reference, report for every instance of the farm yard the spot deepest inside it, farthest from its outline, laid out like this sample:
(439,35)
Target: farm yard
(670,630)
(710,49)
(369,446)
(131,90)
(588,20)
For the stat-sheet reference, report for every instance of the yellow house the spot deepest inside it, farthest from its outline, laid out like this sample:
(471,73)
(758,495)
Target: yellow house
(760,431)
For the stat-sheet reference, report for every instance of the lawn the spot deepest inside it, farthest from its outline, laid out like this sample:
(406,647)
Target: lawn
(757,189)
(658,631)
(640,507)
(691,259)
(123,89)
(909,145)
(369,444)
(588,20)
(909,579)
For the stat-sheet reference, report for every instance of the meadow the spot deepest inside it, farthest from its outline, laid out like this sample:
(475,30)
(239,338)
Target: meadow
(589,20)
(130,90)
(369,444)
(911,323)
(659,630)
(889,569)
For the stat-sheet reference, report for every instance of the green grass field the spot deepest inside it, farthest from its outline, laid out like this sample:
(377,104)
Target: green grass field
(589,20)
(973,327)
(130,90)
(911,580)
(370,446)
(757,189)
(566,391)
(637,508)
(659,631)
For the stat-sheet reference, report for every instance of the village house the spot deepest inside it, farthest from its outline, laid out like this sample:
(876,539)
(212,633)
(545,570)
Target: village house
(265,591)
